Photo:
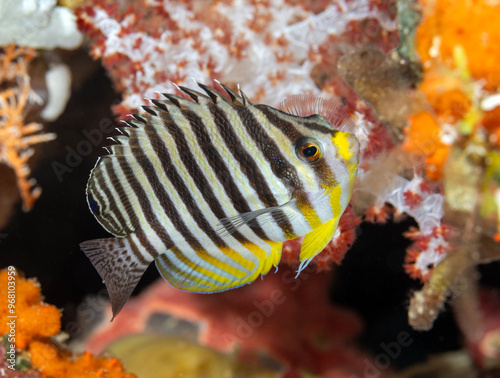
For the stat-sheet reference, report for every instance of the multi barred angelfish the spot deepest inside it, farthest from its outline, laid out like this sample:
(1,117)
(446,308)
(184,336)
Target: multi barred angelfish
(210,187)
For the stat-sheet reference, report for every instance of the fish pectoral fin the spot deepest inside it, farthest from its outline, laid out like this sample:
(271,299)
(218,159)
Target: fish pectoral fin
(118,267)
(279,214)
(315,241)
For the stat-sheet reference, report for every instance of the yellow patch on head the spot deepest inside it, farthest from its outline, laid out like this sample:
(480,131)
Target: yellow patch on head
(341,141)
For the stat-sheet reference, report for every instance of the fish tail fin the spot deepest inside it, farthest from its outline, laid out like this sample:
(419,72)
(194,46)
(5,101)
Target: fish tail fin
(118,266)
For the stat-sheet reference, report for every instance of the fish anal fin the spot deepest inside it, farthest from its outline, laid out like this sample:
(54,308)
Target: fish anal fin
(118,267)
(196,279)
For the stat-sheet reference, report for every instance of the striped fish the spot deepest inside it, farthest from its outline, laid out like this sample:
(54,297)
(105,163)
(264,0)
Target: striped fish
(210,187)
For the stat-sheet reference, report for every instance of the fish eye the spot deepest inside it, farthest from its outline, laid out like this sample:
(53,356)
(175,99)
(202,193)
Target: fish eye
(309,150)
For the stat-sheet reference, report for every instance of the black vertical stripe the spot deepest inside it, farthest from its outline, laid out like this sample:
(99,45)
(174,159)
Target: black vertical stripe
(145,205)
(243,157)
(270,150)
(201,182)
(143,239)
(285,126)
(134,249)
(163,198)
(220,169)
(125,203)
(178,182)
(106,167)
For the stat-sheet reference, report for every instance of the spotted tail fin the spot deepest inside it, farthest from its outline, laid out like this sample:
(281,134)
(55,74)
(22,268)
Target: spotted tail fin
(119,266)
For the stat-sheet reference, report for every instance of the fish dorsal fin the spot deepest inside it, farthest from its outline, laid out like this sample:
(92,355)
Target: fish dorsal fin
(304,105)
(280,214)
(238,99)
(232,94)
(195,95)
(213,94)
(315,241)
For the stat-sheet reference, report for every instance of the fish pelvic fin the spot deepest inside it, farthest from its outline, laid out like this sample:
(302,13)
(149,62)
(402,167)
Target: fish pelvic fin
(119,267)
(315,241)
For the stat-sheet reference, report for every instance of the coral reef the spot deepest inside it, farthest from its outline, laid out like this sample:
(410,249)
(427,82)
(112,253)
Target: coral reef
(414,114)
(30,331)
(425,102)
(456,135)
(24,26)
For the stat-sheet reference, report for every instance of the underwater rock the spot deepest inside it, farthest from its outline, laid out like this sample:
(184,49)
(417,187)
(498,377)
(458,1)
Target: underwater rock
(155,356)
(386,82)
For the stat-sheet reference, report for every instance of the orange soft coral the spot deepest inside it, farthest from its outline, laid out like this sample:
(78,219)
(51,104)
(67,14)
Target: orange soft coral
(56,363)
(16,137)
(36,322)
(34,318)
(458,43)
(423,138)
(474,25)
